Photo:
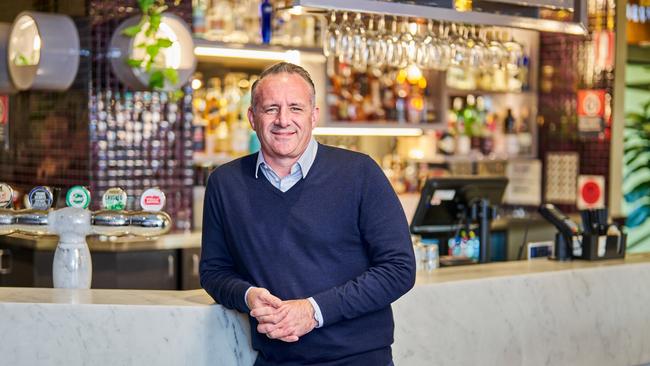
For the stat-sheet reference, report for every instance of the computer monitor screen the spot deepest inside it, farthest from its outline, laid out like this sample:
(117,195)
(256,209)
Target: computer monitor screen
(445,202)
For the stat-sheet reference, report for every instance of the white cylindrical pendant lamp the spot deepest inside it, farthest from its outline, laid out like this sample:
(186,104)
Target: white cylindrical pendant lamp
(6,86)
(179,56)
(43,51)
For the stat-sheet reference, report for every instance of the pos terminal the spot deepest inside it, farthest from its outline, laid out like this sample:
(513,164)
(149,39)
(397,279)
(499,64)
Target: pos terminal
(450,204)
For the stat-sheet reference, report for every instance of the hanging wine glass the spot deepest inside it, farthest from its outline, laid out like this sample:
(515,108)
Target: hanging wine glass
(498,59)
(458,44)
(424,41)
(371,43)
(393,49)
(496,54)
(514,53)
(380,44)
(407,43)
(441,59)
(360,50)
(476,50)
(345,42)
(332,36)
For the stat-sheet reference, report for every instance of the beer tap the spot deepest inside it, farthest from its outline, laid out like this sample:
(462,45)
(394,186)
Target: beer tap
(72,265)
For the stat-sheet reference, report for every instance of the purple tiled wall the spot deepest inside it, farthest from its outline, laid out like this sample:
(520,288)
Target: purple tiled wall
(99,133)
(567,57)
(137,139)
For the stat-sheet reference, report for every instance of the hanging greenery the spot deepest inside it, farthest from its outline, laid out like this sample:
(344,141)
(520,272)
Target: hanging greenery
(636,169)
(149,24)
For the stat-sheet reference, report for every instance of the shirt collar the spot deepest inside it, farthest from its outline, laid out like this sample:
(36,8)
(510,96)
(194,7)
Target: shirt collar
(305,161)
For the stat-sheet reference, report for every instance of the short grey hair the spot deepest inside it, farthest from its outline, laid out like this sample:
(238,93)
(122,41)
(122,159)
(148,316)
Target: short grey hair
(288,68)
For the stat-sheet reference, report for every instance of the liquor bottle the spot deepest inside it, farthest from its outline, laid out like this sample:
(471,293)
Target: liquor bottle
(212,113)
(222,143)
(199,122)
(511,141)
(472,127)
(280,25)
(463,142)
(219,20)
(308,25)
(389,104)
(198,17)
(400,109)
(524,72)
(239,33)
(232,95)
(252,22)
(375,99)
(245,100)
(524,137)
(486,141)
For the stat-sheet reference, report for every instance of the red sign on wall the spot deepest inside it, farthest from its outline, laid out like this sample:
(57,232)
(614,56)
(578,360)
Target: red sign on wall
(591,103)
(4,109)
(4,120)
(591,191)
(604,49)
(591,109)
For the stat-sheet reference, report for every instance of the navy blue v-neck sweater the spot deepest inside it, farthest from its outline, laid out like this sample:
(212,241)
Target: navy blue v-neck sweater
(339,235)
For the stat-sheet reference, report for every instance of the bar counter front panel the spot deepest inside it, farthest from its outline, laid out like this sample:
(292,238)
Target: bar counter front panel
(512,313)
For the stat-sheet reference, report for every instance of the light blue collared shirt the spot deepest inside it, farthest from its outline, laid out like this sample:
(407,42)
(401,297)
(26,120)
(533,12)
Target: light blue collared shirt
(298,171)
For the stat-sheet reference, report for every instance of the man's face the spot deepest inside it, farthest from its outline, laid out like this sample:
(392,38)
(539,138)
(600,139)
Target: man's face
(284,116)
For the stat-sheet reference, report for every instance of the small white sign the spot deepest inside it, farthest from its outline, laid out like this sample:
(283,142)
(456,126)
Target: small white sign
(540,250)
(561,177)
(524,182)
(442,195)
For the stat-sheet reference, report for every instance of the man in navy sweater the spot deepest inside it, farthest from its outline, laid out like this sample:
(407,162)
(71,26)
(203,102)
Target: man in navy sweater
(309,239)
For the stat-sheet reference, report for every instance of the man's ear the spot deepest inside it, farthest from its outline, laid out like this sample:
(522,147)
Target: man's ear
(251,118)
(315,116)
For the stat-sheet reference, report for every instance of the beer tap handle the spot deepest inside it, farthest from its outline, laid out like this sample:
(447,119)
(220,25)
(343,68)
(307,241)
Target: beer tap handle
(7,222)
(32,222)
(110,223)
(148,222)
(145,223)
(6,196)
(119,223)
(151,221)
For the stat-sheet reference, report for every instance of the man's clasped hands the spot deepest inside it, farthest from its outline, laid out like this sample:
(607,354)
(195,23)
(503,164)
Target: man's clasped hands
(283,320)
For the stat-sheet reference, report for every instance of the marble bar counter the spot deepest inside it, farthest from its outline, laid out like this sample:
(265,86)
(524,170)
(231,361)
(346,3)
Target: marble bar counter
(512,313)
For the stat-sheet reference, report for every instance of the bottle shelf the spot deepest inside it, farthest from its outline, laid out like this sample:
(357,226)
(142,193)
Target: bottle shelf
(438,125)
(212,159)
(253,55)
(375,128)
(441,159)
(454,92)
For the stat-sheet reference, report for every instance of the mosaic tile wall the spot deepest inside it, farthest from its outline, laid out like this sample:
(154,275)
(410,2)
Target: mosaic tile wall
(98,133)
(137,139)
(563,70)
(46,140)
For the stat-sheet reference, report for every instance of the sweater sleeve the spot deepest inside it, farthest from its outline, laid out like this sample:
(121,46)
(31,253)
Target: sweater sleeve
(217,269)
(384,230)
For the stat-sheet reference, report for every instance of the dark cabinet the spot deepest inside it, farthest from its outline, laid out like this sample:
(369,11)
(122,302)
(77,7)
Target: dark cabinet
(150,270)
(190,269)
(169,269)
(25,267)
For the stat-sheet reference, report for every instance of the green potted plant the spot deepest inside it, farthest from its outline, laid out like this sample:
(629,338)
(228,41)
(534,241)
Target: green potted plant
(153,51)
